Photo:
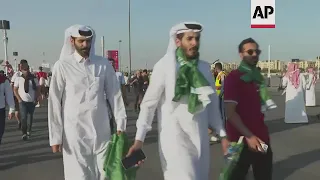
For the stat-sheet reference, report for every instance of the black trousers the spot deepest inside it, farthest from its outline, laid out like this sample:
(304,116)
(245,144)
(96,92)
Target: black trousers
(2,122)
(261,165)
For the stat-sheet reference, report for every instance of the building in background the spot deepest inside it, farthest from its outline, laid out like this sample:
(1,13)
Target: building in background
(275,65)
(307,64)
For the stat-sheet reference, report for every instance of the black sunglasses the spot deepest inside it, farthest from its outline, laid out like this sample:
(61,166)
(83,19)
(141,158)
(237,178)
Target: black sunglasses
(251,51)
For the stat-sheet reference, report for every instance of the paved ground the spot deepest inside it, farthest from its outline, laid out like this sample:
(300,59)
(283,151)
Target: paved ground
(296,149)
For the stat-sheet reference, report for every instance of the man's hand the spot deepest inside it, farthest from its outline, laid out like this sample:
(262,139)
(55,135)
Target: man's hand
(254,143)
(10,116)
(56,148)
(136,146)
(225,145)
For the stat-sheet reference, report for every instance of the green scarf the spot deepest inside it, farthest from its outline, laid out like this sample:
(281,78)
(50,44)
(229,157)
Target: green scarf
(252,74)
(191,82)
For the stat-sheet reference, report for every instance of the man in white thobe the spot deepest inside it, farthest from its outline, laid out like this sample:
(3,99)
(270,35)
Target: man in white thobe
(295,84)
(78,113)
(310,88)
(183,133)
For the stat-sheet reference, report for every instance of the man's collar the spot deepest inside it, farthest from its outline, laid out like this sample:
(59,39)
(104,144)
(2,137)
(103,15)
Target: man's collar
(78,57)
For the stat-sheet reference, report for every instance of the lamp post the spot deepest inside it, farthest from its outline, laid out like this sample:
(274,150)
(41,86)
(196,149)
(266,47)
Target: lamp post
(269,66)
(5,25)
(318,63)
(102,46)
(119,55)
(129,31)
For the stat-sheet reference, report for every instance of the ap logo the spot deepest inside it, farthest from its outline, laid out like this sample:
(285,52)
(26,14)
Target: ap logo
(263,14)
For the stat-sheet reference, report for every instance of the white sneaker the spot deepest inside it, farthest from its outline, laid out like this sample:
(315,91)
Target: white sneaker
(214,139)
(38,105)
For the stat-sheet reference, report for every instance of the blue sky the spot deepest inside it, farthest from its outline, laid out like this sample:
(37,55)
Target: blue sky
(38,26)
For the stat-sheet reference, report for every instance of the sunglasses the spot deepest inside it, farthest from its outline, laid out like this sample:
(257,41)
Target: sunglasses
(251,51)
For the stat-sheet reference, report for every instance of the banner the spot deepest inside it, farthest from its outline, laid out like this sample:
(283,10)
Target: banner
(263,14)
(113,54)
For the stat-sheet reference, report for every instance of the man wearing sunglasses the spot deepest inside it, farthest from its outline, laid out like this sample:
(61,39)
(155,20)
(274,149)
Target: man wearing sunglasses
(244,116)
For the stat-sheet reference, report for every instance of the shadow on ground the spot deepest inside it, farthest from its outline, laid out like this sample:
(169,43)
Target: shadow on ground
(285,168)
(278,125)
(14,161)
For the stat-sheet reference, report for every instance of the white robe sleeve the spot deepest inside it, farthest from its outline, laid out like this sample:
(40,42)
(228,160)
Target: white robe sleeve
(215,119)
(150,102)
(55,120)
(114,96)
(9,96)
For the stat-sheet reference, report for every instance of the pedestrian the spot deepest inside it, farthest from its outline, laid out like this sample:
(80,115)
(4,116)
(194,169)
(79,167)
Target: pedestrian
(310,88)
(243,105)
(6,97)
(295,84)
(184,113)
(27,91)
(79,126)
(13,79)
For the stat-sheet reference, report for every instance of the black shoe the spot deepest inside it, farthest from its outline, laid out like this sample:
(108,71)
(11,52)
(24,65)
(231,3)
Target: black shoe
(24,137)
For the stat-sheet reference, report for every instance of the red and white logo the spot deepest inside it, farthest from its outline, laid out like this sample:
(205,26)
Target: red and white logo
(263,14)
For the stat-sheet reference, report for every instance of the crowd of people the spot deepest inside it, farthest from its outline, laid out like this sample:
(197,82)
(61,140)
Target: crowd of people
(192,104)
(23,91)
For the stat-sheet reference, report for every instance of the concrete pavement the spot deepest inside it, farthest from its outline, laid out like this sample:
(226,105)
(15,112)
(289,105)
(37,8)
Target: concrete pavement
(296,149)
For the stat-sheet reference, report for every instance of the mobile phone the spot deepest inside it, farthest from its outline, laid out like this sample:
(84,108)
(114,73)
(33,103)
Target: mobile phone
(264,148)
(133,159)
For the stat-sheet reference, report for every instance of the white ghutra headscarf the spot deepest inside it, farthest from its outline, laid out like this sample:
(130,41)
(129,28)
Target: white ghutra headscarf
(170,62)
(178,29)
(77,31)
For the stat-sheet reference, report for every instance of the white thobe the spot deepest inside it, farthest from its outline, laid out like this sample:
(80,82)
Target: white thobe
(183,138)
(295,111)
(6,96)
(310,91)
(78,114)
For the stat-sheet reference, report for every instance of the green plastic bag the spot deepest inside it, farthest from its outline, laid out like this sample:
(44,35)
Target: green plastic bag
(116,151)
(231,159)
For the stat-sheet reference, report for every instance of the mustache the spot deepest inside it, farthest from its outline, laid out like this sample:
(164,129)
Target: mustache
(194,48)
(82,49)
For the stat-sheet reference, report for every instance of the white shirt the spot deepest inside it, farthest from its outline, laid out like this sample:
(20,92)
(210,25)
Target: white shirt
(26,97)
(120,78)
(6,95)
(77,108)
(15,75)
(126,80)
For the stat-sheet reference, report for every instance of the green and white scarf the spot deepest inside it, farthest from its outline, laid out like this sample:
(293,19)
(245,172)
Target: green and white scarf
(192,83)
(252,74)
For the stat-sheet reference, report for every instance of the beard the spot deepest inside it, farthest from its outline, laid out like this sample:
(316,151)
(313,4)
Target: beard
(251,60)
(190,53)
(84,52)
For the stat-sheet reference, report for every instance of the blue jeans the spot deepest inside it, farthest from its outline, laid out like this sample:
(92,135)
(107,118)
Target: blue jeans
(26,108)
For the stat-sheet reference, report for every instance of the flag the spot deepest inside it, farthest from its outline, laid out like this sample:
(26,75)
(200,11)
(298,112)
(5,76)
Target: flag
(116,151)
(231,159)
